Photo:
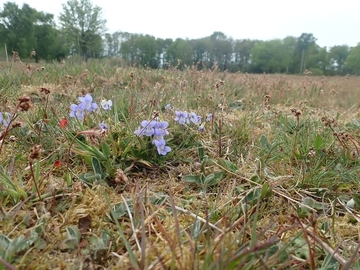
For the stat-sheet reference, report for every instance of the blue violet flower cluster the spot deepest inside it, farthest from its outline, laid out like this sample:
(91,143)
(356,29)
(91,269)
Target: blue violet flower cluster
(5,118)
(87,105)
(183,117)
(157,129)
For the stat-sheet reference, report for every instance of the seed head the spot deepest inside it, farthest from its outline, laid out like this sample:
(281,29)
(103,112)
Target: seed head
(35,152)
(24,99)
(46,91)
(24,106)
(16,124)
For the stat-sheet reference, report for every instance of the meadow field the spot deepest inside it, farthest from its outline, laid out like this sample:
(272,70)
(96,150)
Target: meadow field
(105,167)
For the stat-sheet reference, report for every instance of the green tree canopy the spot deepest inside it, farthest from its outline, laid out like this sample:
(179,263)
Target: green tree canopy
(241,54)
(83,26)
(180,53)
(337,57)
(269,57)
(305,42)
(26,29)
(352,63)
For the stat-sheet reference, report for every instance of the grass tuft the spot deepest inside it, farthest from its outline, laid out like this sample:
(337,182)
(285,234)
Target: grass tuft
(268,179)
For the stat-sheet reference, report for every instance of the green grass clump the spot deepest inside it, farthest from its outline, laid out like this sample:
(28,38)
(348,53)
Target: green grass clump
(269,182)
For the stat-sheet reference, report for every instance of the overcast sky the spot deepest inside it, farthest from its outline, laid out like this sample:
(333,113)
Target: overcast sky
(331,22)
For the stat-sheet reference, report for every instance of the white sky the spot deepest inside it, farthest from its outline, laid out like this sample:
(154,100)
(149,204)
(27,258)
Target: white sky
(331,22)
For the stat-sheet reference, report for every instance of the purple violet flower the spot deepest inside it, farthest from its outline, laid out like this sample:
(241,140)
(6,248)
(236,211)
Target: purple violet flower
(102,125)
(3,120)
(182,117)
(87,104)
(196,119)
(106,104)
(161,147)
(76,111)
(147,128)
(160,129)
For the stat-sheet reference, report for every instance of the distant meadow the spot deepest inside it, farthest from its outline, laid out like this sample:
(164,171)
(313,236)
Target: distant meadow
(123,151)
(133,168)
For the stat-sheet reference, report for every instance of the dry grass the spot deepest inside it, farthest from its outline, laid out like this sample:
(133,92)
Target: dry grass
(256,217)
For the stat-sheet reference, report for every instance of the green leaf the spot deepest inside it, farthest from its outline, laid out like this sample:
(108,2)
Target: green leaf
(96,165)
(96,242)
(209,179)
(68,178)
(213,178)
(196,229)
(206,161)
(23,243)
(88,150)
(4,243)
(119,210)
(228,165)
(105,149)
(37,171)
(73,232)
(266,191)
(252,196)
(351,203)
(264,142)
(191,178)
(158,199)
(11,188)
(73,238)
(308,201)
(356,199)
(329,263)
(201,151)
(355,123)
(105,237)
(318,142)
(40,244)
(90,177)
(302,211)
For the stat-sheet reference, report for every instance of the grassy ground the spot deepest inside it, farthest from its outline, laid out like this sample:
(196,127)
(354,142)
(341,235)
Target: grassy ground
(270,182)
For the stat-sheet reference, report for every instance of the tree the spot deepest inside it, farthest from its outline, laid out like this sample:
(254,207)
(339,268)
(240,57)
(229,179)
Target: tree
(128,47)
(241,54)
(48,44)
(317,60)
(112,44)
(84,27)
(162,45)
(18,28)
(352,62)
(199,46)
(220,50)
(338,55)
(180,53)
(268,56)
(24,30)
(290,44)
(305,41)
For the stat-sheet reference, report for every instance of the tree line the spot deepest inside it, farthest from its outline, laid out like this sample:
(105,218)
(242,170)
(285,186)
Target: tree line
(82,31)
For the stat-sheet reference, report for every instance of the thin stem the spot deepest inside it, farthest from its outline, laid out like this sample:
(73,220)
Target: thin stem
(33,177)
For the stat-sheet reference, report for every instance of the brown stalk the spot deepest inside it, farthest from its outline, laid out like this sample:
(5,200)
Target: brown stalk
(219,138)
(33,178)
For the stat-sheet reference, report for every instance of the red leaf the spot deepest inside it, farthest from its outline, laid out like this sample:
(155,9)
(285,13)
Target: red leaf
(57,163)
(63,123)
